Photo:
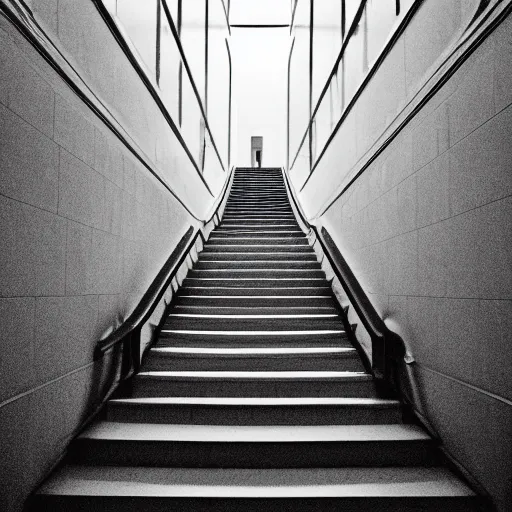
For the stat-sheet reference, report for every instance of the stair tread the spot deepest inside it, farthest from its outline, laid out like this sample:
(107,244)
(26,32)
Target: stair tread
(258,375)
(261,310)
(263,316)
(109,430)
(258,401)
(262,483)
(253,351)
(255,333)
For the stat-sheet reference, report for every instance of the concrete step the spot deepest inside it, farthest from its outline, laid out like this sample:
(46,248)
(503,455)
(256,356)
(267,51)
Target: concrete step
(249,218)
(275,302)
(255,411)
(256,233)
(240,203)
(263,240)
(256,196)
(269,216)
(302,255)
(257,223)
(238,192)
(246,283)
(257,210)
(205,264)
(261,291)
(268,195)
(220,446)
(243,208)
(255,384)
(243,186)
(251,310)
(252,359)
(177,338)
(255,272)
(256,248)
(247,323)
(291,227)
(132,489)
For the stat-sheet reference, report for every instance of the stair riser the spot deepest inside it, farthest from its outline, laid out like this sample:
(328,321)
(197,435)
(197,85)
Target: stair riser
(269,310)
(258,211)
(304,362)
(256,233)
(269,216)
(249,250)
(256,273)
(240,190)
(266,220)
(243,211)
(255,283)
(253,415)
(202,341)
(146,387)
(252,324)
(261,239)
(256,224)
(303,265)
(264,302)
(282,227)
(267,196)
(242,257)
(252,455)
(360,504)
(257,201)
(254,291)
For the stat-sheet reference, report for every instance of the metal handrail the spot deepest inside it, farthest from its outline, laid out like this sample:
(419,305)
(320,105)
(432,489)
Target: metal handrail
(406,17)
(22,18)
(346,40)
(150,299)
(128,333)
(389,351)
(143,75)
(189,73)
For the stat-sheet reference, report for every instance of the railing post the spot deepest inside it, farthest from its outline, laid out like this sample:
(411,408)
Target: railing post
(379,357)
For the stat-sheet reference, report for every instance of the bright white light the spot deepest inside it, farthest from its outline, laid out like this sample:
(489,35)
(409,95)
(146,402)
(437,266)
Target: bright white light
(260,11)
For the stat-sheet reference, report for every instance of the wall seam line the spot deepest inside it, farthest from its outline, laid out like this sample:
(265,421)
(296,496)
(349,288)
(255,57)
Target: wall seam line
(434,223)
(46,384)
(467,384)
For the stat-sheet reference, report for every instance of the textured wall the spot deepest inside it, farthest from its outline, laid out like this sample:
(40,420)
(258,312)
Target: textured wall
(84,228)
(427,230)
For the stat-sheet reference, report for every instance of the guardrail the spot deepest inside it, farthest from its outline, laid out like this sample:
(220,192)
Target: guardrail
(390,356)
(149,81)
(402,10)
(128,334)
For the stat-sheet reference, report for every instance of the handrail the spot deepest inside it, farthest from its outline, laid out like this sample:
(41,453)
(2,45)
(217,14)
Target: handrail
(385,51)
(114,29)
(22,18)
(129,331)
(230,96)
(154,293)
(221,198)
(189,73)
(389,351)
(405,18)
(344,44)
(369,75)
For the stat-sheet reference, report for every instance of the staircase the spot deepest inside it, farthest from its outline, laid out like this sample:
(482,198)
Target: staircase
(253,398)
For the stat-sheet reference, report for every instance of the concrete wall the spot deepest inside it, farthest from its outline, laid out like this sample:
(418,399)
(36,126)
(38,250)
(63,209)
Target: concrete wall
(84,228)
(427,228)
